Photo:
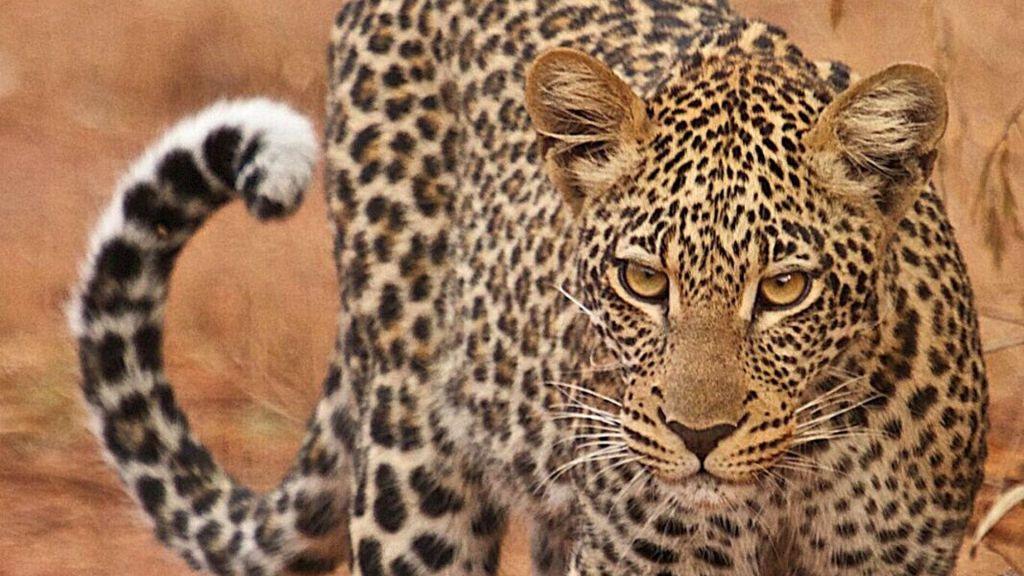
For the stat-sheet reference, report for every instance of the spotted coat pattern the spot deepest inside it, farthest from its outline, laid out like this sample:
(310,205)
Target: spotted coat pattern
(486,359)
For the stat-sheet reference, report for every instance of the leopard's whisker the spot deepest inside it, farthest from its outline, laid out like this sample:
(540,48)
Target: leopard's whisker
(859,430)
(783,466)
(573,402)
(815,407)
(608,467)
(839,430)
(611,453)
(817,436)
(773,475)
(806,467)
(827,396)
(584,416)
(565,409)
(837,413)
(596,369)
(662,507)
(792,460)
(794,454)
(584,409)
(589,313)
(622,493)
(606,435)
(596,443)
(584,390)
(591,426)
(595,456)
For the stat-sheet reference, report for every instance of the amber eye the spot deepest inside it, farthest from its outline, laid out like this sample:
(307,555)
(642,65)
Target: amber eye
(783,290)
(644,282)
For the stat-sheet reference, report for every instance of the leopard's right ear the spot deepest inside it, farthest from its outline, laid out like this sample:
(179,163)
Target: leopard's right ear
(591,124)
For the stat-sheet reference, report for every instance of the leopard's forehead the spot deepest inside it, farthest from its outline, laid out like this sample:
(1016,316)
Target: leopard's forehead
(724,187)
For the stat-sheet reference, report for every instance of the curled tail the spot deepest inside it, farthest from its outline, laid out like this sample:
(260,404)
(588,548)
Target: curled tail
(264,153)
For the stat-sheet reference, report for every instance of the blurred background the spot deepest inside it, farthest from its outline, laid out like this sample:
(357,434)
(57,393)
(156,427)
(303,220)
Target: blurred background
(85,84)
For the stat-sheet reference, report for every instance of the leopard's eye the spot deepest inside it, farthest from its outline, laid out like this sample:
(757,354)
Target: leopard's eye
(644,282)
(783,290)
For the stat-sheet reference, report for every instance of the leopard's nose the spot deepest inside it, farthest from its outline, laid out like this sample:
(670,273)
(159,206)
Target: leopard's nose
(701,441)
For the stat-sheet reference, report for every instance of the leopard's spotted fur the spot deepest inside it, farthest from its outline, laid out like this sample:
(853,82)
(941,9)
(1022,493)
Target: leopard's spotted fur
(485,322)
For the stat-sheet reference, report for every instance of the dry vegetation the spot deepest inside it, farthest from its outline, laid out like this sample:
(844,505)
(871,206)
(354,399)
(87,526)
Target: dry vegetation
(83,87)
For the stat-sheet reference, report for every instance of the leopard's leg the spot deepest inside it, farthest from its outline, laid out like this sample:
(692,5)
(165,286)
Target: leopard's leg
(552,539)
(392,138)
(888,529)
(414,515)
(312,501)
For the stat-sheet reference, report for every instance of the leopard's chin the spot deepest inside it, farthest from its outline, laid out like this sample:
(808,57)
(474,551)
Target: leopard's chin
(702,491)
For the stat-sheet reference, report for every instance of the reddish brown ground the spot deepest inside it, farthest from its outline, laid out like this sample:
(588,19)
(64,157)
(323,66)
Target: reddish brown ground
(84,86)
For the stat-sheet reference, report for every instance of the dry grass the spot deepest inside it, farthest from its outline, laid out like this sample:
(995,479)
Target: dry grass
(1000,509)
(995,205)
(83,87)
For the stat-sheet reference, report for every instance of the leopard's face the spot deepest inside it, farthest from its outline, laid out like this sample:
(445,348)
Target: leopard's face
(727,265)
(725,279)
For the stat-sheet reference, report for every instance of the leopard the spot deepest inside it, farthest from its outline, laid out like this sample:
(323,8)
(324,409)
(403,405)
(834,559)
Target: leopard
(637,270)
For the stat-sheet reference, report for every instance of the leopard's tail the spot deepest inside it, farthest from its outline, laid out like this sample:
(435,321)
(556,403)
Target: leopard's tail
(264,153)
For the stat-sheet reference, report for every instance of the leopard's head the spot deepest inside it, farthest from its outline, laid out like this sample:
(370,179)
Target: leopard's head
(733,229)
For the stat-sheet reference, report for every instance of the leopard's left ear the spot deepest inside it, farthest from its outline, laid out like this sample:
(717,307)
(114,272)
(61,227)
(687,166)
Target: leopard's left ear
(879,138)
(590,123)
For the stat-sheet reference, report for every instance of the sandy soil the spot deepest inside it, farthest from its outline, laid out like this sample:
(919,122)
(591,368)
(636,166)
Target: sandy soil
(84,86)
